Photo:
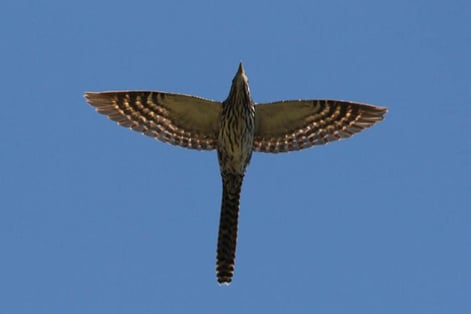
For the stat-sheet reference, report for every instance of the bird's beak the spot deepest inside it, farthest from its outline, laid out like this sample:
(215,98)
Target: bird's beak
(240,75)
(240,71)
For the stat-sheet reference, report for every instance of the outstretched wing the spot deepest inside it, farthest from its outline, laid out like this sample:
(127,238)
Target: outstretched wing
(177,119)
(296,124)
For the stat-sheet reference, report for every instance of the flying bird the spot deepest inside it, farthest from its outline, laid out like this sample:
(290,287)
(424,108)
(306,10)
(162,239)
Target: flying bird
(235,127)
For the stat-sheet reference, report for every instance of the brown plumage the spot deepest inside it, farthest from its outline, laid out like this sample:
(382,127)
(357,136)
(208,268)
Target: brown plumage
(228,225)
(235,127)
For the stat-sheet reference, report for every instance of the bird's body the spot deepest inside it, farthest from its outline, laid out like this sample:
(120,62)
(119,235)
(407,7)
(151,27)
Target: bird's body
(235,146)
(236,128)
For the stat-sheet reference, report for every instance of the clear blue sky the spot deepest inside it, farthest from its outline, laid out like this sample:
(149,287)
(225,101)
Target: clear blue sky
(95,218)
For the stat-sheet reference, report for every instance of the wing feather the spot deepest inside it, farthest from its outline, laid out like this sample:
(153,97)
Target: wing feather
(285,126)
(177,119)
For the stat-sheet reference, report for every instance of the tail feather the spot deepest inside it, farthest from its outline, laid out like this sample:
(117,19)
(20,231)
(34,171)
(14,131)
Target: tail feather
(227,238)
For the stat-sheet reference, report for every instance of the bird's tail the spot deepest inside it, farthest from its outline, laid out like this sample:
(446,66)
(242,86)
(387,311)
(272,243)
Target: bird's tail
(227,238)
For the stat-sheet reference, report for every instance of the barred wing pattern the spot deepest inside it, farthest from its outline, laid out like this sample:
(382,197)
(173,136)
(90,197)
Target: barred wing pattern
(199,123)
(297,124)
(182,120)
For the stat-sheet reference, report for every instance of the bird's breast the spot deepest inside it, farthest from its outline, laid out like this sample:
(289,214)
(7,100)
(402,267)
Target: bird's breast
(235,140)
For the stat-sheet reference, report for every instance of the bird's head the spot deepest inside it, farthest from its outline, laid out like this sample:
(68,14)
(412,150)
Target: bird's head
(240,91)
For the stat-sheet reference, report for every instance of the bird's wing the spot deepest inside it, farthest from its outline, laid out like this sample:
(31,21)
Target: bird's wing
(296,124)
(177,119)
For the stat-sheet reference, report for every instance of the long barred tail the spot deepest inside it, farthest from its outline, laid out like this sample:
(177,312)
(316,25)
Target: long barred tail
(227,239)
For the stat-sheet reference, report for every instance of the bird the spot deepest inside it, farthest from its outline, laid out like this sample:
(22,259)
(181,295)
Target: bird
(235,128)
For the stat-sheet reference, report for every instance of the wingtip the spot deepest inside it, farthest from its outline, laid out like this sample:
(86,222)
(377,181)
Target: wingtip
(87,95)
(98,98)
(376,110)
(384,110)
(90,95)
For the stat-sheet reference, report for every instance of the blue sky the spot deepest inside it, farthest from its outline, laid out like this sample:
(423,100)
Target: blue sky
(95,218)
